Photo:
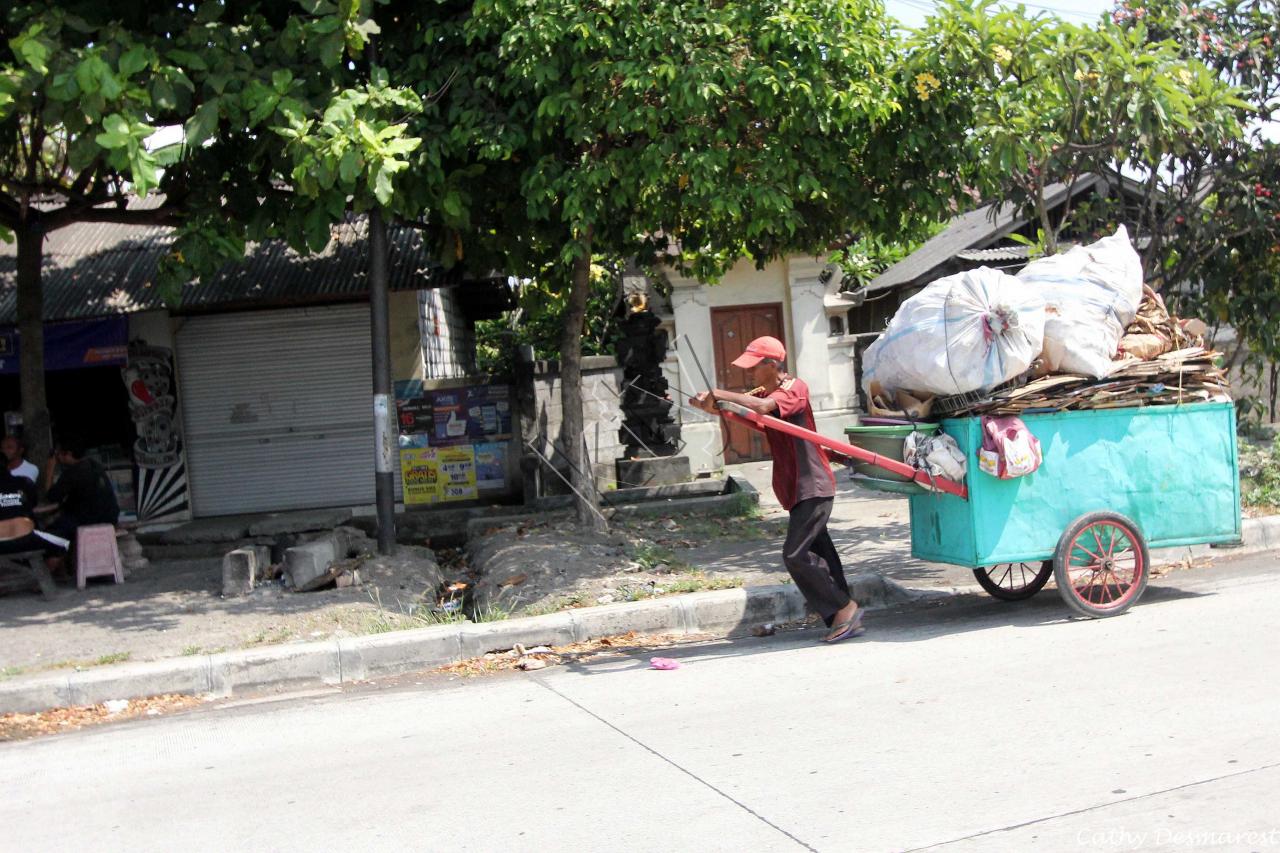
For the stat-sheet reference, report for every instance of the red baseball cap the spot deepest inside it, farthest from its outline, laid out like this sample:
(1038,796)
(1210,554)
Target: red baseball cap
(760,349)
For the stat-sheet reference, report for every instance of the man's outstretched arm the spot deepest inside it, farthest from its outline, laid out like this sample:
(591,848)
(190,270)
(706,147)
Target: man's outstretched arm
(760,405)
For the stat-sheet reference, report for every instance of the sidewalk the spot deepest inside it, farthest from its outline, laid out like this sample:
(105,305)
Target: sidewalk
(173,608)
(169,630)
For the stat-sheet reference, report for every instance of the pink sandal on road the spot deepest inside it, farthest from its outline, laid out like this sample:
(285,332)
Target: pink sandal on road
(851,627)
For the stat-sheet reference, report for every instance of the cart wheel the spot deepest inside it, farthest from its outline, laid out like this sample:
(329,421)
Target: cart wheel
(1014,581)
(1101,564)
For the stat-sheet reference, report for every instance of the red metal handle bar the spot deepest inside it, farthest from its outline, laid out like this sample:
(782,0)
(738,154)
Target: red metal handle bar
(758,421)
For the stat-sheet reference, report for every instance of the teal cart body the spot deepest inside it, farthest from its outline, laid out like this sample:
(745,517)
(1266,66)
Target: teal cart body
(1112,483)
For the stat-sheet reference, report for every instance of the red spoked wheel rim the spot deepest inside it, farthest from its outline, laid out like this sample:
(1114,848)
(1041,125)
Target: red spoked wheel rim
(1102,564)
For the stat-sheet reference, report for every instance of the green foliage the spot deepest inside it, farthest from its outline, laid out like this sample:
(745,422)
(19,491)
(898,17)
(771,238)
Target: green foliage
(1219,224)
(728,130)
(1260,473)
(867,257)
(538,321)
(1050,101)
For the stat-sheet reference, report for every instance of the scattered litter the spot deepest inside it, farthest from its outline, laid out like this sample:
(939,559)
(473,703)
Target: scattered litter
(768,629)
(116,706)
(605,599)
(532,663)
(539,650)
(664,663)
(670,524)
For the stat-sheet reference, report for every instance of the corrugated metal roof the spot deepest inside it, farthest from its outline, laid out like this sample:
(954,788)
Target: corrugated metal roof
(99,269)
(976,229)
(999,253)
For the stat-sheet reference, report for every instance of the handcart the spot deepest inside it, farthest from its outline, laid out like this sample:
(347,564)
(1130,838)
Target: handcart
(1114,483)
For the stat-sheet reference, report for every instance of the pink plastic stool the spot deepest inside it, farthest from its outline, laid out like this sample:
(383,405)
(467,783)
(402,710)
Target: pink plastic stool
(97,553)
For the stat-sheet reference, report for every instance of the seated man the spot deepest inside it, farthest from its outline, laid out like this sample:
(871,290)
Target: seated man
(82,495)
(18,521)
(14,452)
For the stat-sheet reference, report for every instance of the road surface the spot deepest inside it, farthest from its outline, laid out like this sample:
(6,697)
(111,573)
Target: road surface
(974,725)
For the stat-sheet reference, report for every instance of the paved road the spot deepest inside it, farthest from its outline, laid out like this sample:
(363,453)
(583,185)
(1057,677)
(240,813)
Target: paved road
(970,726)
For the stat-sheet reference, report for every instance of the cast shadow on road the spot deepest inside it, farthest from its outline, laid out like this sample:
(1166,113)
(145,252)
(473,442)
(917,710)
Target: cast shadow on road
(911,624)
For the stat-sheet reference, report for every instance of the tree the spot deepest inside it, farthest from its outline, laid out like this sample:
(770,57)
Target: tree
(1049,101)
(1219,224)
(714,131)
(79,95)
(281,136)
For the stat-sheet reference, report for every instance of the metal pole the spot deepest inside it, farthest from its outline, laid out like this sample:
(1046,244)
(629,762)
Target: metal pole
(383,423)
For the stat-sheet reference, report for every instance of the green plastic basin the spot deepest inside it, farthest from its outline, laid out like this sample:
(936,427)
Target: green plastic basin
(887,441)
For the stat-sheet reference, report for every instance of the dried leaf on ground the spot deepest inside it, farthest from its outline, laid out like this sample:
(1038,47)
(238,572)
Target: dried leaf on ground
(57,720)
(574,652)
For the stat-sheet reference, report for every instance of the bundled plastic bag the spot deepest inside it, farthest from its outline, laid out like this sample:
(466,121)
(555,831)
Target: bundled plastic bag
(938,454)
(1008,449)
(1091,294)
(962,333)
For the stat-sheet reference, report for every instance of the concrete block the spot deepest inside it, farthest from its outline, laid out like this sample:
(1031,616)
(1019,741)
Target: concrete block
(37,693)
(873,590)
(1179,555)
(658,616)
(555,629)
(189,675)
(205,530)
(1256,535)
(307,565)
(398,652)
(660,471)
(299,522)
(737,611)
(240,571)
(275,667)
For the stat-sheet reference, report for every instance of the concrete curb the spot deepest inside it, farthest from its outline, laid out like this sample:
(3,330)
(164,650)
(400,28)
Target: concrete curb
(722,613)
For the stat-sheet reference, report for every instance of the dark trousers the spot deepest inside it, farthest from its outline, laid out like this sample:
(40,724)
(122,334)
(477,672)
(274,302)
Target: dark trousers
(30,542)
(812,560)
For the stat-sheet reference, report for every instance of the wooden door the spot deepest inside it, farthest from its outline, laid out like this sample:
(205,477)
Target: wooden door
(732,329)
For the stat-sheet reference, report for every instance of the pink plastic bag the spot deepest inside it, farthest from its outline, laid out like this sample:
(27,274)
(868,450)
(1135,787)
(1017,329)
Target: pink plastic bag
(1009,449)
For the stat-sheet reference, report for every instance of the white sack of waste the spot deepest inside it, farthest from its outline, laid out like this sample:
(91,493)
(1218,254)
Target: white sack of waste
(962,333)
(1091,294)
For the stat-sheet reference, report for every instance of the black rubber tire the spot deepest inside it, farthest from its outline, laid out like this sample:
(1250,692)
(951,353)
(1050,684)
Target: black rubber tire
(1062,557)
(1004,593)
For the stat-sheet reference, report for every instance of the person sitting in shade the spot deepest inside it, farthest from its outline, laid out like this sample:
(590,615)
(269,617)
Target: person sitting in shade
(15,455)
(82,494)
(18,532)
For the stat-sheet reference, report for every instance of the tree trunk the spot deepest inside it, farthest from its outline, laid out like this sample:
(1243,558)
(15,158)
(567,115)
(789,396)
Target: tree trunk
(35,407)
(571,429)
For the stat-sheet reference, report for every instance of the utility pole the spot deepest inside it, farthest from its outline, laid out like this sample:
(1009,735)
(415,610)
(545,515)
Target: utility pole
(383,422)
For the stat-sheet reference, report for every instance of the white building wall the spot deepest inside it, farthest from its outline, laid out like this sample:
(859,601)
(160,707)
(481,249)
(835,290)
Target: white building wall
(824,363)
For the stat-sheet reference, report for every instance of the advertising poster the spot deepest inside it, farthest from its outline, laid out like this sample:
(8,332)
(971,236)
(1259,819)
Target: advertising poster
(488,412)
(420,475)
(457,473)
(491,464)
(449,413)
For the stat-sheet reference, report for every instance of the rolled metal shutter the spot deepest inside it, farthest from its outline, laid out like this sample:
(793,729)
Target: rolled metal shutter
(277,409)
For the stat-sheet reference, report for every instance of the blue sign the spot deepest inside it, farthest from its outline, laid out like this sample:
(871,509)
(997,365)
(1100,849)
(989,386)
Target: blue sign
(73,344)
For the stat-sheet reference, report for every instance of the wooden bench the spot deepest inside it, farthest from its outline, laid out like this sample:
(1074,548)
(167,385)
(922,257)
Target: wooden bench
(24,571)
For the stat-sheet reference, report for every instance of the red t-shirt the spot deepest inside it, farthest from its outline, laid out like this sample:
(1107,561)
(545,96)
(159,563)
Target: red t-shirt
(800,468)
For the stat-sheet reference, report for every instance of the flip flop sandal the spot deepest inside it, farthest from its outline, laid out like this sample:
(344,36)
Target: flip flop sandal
(846,630)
